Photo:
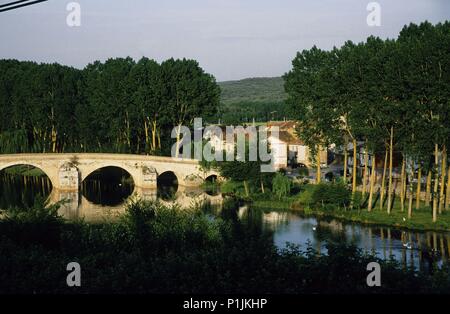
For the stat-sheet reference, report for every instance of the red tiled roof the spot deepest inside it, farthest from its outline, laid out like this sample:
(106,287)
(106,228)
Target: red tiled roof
(289,138)
(283,125)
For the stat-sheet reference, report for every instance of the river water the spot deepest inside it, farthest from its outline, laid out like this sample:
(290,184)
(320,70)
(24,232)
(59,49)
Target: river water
(104,198)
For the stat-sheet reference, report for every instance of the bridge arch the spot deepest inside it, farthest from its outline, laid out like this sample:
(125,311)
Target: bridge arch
(212,178)
(48,172)
(168,185)
(108,186)
(168,175)
(87,171)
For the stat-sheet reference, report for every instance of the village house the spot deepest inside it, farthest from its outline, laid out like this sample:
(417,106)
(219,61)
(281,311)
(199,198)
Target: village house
(218,137)
(287,149)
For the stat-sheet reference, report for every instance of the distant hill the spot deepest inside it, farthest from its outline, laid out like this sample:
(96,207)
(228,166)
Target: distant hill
(261,89)
(253,99)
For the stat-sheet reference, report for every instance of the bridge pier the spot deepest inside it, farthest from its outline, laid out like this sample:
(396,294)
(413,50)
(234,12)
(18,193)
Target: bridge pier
(147,178)
(68,178)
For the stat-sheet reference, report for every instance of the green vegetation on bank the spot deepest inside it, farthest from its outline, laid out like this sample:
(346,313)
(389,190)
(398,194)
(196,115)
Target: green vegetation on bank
(159,249)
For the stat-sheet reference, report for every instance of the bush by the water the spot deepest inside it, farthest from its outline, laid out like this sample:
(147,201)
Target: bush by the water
(324,194)
(281,185)
(160,249)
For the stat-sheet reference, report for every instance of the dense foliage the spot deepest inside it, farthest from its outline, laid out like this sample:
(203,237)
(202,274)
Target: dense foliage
(156,249)
(322,194)
(114,106)
(281,185)
(391,96)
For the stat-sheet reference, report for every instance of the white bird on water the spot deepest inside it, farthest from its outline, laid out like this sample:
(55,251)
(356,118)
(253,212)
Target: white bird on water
(407,245)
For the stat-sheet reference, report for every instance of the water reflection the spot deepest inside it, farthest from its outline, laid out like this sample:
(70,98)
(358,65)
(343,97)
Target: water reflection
(167,186)
(21,191)
(413,249)
(75,205)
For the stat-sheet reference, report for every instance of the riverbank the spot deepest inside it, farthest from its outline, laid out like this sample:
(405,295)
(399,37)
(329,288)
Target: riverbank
(420,221)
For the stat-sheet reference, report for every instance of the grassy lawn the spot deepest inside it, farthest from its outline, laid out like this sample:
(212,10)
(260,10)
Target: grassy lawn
(285,203)
(421,219)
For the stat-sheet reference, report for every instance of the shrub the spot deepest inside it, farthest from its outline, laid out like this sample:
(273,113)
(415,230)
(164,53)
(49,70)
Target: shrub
(306,195)
(303,171)
(331,193)
(176,251)
(231,187)
(322,194)
(38,224)
(281,185)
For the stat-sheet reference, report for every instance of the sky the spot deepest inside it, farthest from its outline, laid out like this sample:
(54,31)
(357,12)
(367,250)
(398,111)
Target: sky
(231,39)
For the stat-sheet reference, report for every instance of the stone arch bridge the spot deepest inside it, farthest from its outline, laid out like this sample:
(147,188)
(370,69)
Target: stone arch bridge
(67,171)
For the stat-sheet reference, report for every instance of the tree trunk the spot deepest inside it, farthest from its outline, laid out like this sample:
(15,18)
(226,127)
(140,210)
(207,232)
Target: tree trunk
(154,131)
(411,190)
(436,182)
(428,189)
(391,150)
(128,131)
(319,175)
(447,195)
(443,171)
(147,143)
(159,139)
(246,188)
(419,186)
(53,132)
(262,186)
(345,161)
(366,161)
(354,168)
(177,152)
(373,178)
(402,186)
(383,179)
(54,138)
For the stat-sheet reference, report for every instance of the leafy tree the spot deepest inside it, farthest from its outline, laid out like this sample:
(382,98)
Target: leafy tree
(281,185)
(188,93)
(392,94)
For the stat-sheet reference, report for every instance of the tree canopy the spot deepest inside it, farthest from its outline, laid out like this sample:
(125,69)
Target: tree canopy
(119,105)
(392,95)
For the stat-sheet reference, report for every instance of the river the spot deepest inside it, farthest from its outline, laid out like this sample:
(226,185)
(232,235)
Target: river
(103,197)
